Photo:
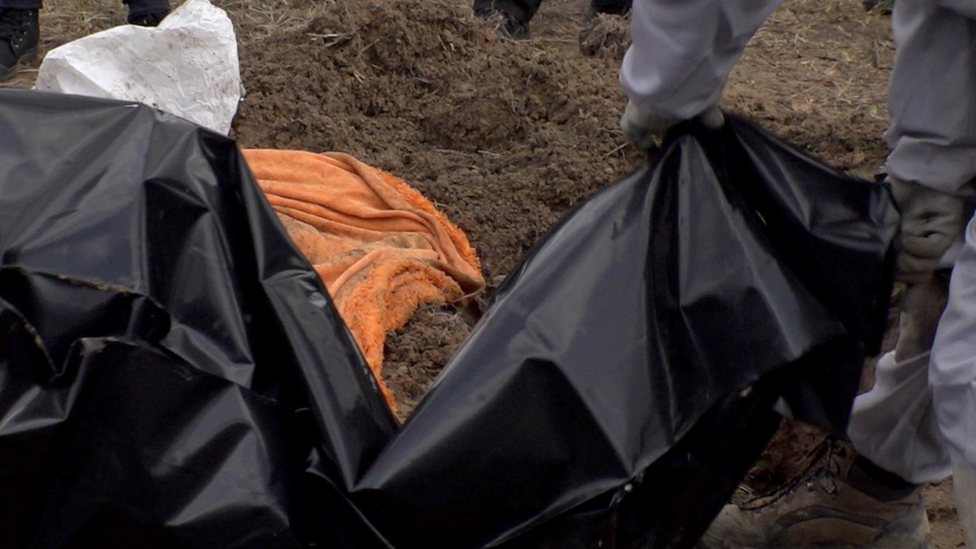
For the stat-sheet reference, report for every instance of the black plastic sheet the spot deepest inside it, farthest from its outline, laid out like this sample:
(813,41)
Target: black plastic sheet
(728,259)
(173,374)
(168,360)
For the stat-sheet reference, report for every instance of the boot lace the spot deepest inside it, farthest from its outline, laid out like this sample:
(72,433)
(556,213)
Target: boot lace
(822,466)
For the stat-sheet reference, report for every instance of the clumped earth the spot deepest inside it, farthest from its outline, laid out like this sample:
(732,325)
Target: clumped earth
(505,136)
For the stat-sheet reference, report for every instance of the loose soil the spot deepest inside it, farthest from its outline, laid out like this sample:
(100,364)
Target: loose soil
(505,136)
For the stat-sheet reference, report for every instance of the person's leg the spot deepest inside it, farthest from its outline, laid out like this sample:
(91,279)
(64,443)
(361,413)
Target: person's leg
(933,136)
(868,492)
(899,429)
(865,493)
(618,7)
(517,13)
(932,133)
(146,13)
(953,380)
(20,4)
(894,424)
(19,34)
(841,500)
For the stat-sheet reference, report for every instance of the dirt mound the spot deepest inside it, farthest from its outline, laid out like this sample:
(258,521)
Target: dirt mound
(417,352)
(503,135)
(605,36)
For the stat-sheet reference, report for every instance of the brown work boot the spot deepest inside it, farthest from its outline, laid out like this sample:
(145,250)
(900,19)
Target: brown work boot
(841,501)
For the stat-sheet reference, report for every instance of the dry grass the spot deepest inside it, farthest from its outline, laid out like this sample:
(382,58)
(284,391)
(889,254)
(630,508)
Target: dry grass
(65,20)
(257,19)
(819,70)
(605,36)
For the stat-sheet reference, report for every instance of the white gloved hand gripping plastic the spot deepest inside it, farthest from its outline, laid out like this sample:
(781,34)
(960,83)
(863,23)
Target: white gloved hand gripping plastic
(932,224)
(644,129)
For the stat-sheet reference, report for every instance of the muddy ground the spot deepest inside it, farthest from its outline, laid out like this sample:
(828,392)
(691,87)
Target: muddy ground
(505,136)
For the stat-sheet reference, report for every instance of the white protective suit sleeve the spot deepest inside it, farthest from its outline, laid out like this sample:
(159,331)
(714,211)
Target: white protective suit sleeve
(932,98)
(683,50)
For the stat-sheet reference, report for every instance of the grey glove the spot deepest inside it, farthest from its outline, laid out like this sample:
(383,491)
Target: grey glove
(644,129)
(932,224)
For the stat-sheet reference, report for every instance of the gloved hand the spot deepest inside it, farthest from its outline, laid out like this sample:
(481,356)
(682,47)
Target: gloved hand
(932,224)
(921,308)
(643,129)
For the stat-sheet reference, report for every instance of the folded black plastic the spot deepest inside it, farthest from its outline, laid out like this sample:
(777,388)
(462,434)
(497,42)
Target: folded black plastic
(169,363)
(603,383)
(173,374)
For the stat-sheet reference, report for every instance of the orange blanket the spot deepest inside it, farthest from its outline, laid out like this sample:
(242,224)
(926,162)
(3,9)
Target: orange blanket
(380,247)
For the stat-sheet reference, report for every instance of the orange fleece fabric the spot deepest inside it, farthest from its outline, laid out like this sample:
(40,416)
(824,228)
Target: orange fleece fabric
(380,247)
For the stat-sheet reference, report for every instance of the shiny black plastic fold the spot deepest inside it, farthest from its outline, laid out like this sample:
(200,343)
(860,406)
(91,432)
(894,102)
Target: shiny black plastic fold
(240,388)
(729,264)
(173,374)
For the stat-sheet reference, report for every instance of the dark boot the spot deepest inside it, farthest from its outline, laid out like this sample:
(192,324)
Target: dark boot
(151,19)
(842,502)
(19,35)
(517,14)
(615,7)
(146,13)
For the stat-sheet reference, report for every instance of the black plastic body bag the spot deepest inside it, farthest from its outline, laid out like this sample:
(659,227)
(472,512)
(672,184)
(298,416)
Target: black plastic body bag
(173,374)
(622,381)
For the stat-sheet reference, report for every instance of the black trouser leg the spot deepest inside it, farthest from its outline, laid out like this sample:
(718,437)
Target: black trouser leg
(139,8)
(20,4)
(618,7)
(519,10)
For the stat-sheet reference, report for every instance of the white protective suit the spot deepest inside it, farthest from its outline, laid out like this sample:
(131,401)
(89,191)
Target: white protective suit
(919,420)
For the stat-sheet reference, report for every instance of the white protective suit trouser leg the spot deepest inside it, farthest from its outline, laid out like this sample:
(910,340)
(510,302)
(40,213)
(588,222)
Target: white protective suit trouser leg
(953,380)
(933,138)
(894,424)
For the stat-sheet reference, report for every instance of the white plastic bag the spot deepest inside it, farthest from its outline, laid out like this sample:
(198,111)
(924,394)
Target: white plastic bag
(186,66)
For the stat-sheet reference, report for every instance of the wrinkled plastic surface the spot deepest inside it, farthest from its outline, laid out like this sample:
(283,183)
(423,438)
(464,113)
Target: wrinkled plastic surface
(167,356)
(186,66)
(728,258)
(172,373)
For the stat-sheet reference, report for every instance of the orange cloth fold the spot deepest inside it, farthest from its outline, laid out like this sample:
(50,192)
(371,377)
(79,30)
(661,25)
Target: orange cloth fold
(380,247)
